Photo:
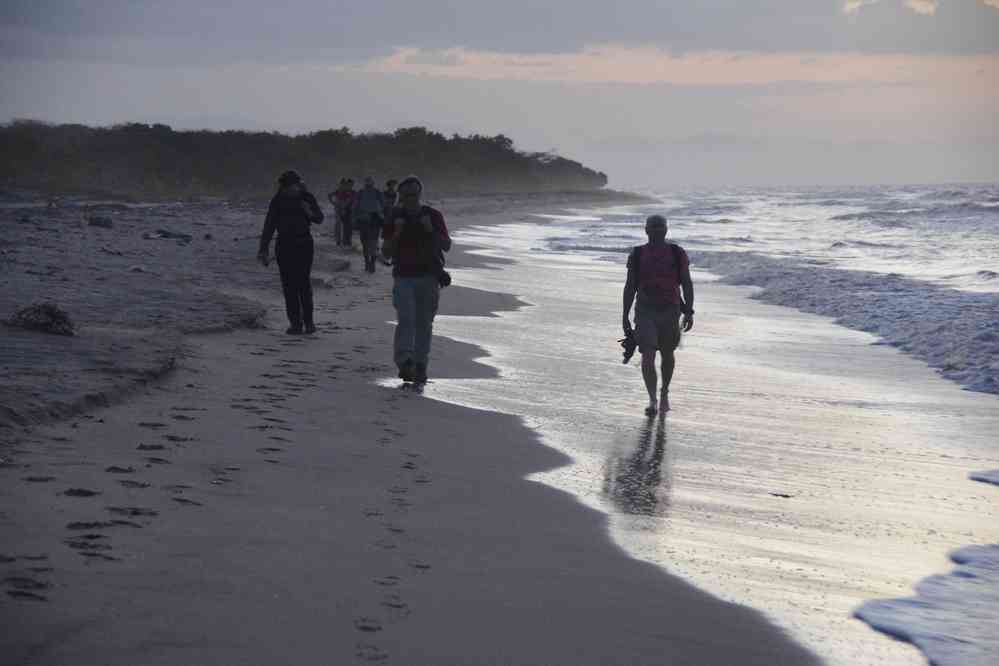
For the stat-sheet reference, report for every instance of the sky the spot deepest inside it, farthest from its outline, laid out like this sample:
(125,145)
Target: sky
(658,94)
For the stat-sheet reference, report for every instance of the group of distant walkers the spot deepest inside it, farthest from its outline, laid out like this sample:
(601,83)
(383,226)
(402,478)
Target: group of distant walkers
(364,210)
(414,238)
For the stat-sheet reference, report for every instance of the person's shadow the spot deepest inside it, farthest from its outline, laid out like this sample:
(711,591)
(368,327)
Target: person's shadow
(636,484)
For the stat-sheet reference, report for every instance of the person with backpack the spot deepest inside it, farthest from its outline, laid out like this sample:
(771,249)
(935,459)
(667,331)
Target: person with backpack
(659,285)
(415,239)
(292,212)
(369,209)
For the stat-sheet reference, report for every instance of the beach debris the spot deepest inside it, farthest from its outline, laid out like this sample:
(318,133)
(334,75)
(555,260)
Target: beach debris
(100,221)
(784,495)
(44,317)
(166,234)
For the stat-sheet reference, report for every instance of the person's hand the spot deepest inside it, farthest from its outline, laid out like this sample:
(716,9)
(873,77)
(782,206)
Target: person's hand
(263,258)
(688,322)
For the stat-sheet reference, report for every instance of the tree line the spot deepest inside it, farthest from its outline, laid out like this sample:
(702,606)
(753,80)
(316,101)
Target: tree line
(156,161)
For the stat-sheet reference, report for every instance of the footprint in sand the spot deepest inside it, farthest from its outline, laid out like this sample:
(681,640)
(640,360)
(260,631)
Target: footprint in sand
(176,487)
(373,513)
(128,483)
(132,511)
(152,460)
(154,425)
(39,479)
(150,447)
(398,490)
(368,624)
(278,438)
(177,438)
(184,500)
(24,587)
(88,543)
(419,565)
(80,492)
(396,607)
(269,449)
(386,544)
(118,469)
(408,465)
(182,417)
(368,652)
(422,479)
(394,529)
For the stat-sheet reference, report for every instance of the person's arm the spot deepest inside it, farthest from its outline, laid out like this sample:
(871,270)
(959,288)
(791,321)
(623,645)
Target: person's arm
(630,290)
(317,216)
(443,237)
(687,287)
(270,224)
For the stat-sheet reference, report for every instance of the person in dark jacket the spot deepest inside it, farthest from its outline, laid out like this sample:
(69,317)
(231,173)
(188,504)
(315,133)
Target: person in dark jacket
(292,212)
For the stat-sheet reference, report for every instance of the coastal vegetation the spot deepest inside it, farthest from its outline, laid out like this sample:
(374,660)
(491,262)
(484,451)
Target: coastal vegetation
(156,161)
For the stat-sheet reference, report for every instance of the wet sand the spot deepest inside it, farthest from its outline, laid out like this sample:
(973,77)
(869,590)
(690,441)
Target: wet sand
(278,499)
(803,470)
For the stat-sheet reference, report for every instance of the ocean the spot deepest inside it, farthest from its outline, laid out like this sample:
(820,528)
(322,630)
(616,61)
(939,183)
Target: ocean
(832,438)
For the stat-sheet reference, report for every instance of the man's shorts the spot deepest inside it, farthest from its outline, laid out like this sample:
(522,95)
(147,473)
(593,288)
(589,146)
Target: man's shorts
(657,327)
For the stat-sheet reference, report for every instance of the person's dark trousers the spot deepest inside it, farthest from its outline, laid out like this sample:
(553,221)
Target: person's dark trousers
(347,230)
(295,265)
(369,230)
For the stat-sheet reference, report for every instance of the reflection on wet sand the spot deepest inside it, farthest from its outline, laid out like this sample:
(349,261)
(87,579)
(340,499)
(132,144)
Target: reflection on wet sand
(636,483)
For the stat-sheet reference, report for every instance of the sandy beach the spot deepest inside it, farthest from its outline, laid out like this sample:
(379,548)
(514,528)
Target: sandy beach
(272,500)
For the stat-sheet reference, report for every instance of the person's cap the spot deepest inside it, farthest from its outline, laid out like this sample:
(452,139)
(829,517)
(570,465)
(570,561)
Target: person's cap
(656,221)
(411,180)
(289,178)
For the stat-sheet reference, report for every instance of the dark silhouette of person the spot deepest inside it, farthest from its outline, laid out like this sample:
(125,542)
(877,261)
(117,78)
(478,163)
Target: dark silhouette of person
(635,483)
(292,212)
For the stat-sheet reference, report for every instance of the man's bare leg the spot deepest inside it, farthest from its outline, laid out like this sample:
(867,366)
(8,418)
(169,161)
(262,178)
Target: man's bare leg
(668,364)
(651,379)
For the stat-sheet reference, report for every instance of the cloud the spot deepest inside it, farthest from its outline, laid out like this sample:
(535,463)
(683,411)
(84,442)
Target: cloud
(644,65)
(854,6)
(927,7)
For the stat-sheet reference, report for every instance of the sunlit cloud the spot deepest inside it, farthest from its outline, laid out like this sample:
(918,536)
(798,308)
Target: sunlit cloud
(927,7)
(651,65)
(854,6)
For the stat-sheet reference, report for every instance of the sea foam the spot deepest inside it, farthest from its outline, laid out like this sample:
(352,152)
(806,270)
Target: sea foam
(953,617)
(955,332)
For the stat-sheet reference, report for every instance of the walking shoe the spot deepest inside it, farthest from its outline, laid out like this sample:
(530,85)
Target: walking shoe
(406,371)
(310,328)
(420,374)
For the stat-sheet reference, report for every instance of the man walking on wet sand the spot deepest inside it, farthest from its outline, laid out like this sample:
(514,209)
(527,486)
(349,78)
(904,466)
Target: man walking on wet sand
(657,273)
(416,238)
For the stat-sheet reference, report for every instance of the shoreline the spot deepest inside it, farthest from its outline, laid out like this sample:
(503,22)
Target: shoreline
(806,396)
(408,529)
